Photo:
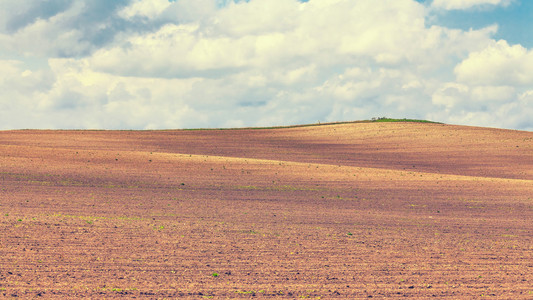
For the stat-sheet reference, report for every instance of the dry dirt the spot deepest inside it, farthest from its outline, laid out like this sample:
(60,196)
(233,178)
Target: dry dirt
(357,210)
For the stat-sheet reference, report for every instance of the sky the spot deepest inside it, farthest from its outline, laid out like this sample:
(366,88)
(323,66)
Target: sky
(159,64)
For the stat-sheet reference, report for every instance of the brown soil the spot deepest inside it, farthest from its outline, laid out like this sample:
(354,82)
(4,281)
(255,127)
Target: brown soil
(335,211)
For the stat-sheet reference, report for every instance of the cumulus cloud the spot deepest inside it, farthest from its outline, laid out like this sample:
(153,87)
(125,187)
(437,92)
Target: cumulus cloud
(466,4)
(265,33)
(146,9)
(498,63)
(204,63)
(19,89)
(455,95)
(59,28)
(483,105)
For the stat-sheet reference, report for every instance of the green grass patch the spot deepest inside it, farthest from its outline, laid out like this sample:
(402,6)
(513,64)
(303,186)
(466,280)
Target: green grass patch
(385,119)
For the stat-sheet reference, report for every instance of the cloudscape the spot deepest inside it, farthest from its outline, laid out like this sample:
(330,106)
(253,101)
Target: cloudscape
(156,64)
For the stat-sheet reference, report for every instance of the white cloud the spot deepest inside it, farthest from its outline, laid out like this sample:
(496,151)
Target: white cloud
(493,93)
(466,4)
(174,51)
(492,106)
(10,11)
(147,9)
(459,96)
(48,36)
(265,33)
(450,94)
(498,63)
(191,63)
(258,17)
(61,28)
(19,87)
(17,81)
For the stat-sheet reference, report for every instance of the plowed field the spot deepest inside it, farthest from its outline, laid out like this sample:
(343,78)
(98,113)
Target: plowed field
(353,210)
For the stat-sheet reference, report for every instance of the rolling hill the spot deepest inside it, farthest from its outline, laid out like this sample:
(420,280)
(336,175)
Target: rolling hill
(363,209)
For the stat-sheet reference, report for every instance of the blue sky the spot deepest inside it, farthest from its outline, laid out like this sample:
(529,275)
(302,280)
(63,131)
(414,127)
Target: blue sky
(513,20)
(138,64)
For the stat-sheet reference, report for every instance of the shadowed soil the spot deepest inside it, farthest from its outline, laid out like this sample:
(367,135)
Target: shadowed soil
(345,210)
